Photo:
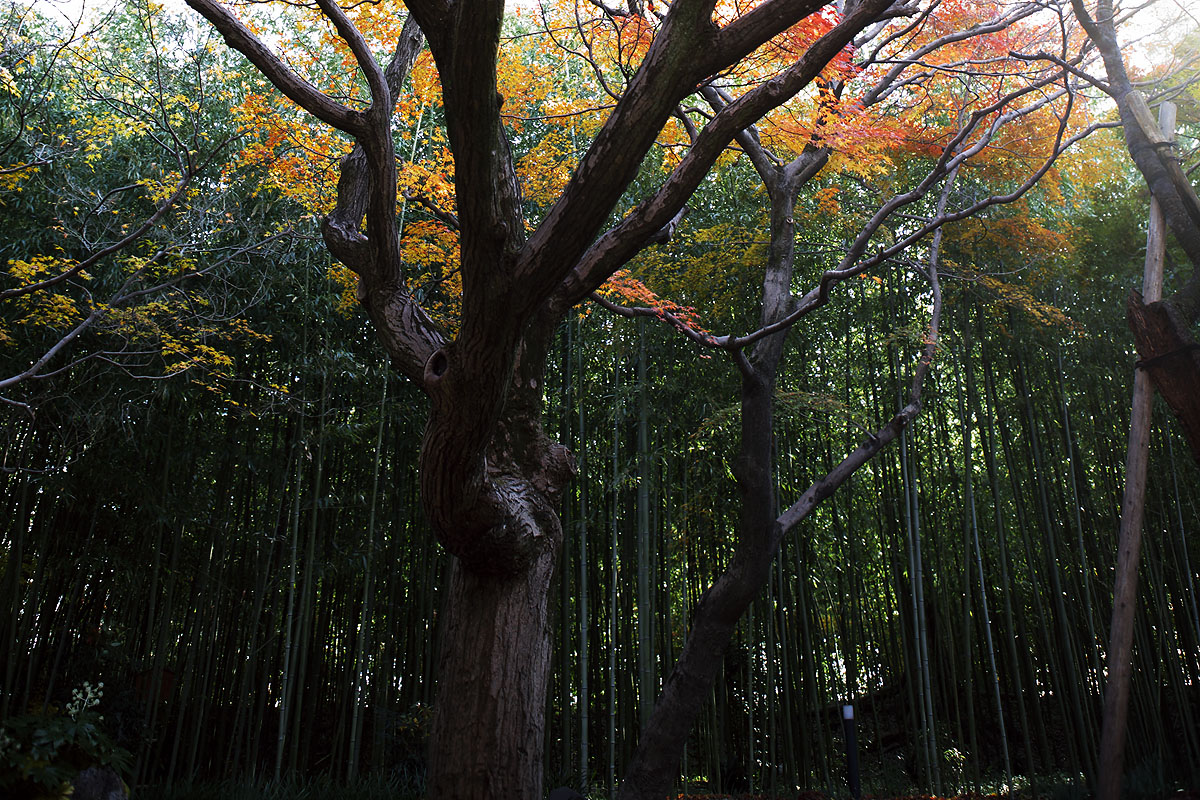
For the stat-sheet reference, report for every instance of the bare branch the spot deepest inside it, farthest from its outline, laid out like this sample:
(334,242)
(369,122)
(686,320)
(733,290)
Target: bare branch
(57,348)
(885,85)
(381,96)
(1065,65)
(121,297)
(875,442)
(851,264)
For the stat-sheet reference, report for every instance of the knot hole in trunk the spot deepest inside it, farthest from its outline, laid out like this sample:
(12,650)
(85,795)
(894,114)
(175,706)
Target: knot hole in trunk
(436,366)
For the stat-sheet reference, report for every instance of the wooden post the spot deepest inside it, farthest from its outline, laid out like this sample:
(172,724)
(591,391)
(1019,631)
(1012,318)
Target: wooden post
(1129,544)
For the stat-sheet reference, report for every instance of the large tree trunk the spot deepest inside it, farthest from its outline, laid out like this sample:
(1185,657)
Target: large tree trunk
(490,710)
(490,478)
(489,716)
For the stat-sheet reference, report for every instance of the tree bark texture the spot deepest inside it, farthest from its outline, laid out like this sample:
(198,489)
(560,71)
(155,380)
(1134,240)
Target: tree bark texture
(490,713)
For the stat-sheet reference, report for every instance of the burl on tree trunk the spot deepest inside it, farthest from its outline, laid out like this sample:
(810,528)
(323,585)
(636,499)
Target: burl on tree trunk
(1171,357)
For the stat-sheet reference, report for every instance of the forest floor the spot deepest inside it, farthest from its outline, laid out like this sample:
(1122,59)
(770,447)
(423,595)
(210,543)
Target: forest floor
(376,789)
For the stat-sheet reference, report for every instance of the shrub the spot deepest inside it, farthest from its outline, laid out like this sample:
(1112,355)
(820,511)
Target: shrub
(42,753)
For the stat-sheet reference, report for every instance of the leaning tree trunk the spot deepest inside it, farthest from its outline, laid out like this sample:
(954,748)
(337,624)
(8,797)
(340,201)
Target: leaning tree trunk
(1149,147)
(660,747)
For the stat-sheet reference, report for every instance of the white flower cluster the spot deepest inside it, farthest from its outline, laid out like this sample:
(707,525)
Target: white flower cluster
(84,698)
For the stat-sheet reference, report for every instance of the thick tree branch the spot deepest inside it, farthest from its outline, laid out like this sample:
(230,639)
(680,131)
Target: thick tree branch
(408,46)
(1162,174)
(677,62)
(367,193)
(297,89)
(622,242)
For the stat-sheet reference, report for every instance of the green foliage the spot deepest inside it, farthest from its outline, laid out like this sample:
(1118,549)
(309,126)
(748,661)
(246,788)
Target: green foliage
(94,159)
(41,753)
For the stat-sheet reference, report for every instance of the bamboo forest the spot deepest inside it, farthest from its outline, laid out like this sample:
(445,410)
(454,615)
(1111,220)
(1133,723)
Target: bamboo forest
(599,399)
